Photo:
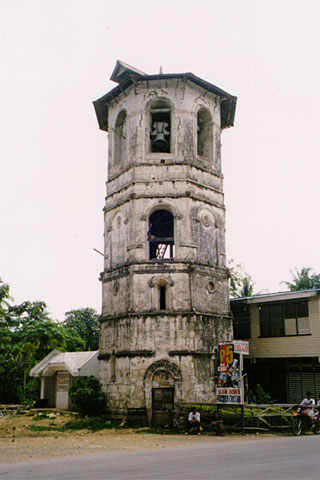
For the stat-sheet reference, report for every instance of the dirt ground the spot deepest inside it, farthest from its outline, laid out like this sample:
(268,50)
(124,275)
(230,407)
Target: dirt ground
(19,444)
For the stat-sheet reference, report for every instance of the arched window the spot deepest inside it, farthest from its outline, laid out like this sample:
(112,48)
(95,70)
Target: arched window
(161,235)
(113,365)
(120,138)
(162,292)
(160,126)
(162,297)
(204,134)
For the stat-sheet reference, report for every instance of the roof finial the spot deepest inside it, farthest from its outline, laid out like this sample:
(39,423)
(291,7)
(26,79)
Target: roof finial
(161,72)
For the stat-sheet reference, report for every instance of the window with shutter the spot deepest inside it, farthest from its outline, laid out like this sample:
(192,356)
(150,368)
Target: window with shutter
(284,319)
(241,322)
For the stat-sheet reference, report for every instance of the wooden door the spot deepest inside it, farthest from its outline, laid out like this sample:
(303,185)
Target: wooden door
(162,405)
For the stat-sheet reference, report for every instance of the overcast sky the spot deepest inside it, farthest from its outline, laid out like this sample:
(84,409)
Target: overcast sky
(57,57)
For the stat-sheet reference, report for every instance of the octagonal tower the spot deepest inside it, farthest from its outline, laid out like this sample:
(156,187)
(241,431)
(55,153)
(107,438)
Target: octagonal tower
(165,301)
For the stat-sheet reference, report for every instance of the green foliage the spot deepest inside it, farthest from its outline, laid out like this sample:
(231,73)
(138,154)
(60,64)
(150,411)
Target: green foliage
(32,390)
(246,287)
(85,322)
(74,342)
(87,397)
(39,418)
(28,334)
(258,395)
(44,428)
(304,280)
(241,283)
(235,272)
(92,424)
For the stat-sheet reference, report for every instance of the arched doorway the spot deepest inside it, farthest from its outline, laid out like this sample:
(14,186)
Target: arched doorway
(162,397)
(163,384)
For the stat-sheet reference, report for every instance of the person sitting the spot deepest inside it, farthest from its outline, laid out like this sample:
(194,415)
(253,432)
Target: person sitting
(194,421)
(307,404)
(217,423)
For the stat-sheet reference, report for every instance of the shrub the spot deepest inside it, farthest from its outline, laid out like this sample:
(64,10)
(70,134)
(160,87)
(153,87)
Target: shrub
(87,397)
(260,396)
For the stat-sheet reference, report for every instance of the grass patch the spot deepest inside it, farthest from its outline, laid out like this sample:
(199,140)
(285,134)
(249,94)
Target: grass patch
(158,431)
(43,428)
(92,424)
(69,413)
(38,418)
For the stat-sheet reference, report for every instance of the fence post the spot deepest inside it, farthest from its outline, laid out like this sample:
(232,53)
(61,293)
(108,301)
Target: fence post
(242,419)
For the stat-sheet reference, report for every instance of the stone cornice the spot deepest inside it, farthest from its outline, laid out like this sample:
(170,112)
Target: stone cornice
(163,313)
(184,353)
(127,353)
(188,194)
(167,267)
(197,164)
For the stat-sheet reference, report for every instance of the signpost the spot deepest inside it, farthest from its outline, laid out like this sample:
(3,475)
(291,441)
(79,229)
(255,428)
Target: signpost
(230,378)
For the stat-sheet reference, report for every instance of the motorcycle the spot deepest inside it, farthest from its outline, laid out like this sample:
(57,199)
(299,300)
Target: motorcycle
(174,421)
(301,422)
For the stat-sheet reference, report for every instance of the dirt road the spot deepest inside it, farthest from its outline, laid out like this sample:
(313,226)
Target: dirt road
(18,443)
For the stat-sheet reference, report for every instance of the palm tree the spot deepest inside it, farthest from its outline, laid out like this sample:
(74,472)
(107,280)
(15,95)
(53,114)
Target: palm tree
(246,287)
(303,280)
(4,297)
(240,284)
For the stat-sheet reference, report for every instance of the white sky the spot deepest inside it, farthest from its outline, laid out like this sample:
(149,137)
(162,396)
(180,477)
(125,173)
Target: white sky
(57,57)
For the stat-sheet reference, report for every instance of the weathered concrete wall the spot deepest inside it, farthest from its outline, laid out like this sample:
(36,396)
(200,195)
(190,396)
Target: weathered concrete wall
(198,226)
(200,288)
(139,336)
(186,99)
(186,341)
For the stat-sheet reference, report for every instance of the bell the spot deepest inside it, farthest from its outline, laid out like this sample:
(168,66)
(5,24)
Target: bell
(160,143)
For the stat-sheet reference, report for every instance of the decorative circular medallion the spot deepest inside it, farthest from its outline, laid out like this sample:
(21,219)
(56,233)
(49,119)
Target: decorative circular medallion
(206,220)
(210,287)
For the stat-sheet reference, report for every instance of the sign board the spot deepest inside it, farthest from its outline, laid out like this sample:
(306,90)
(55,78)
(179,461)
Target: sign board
(230,380)
(241,346)
(63,381)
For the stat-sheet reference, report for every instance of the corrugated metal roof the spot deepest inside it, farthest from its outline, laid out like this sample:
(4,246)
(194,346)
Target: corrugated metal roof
(268,297)
(72,361)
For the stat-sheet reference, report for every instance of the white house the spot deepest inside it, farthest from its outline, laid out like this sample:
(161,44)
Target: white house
(58,370)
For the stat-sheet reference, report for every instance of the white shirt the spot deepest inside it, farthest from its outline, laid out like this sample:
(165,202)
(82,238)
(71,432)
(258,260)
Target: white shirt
(308,402)
(195,416)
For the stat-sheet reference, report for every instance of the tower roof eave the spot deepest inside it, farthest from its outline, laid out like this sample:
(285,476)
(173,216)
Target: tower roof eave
(228,101)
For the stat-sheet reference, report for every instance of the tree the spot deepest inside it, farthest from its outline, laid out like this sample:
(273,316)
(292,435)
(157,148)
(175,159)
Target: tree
(241,284)
(85,322)
(246,287)
(27,335)
(235,272)
(87,396)
(304,280)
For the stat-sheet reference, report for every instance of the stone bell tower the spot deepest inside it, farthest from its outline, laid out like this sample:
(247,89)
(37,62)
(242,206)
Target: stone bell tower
(165,301)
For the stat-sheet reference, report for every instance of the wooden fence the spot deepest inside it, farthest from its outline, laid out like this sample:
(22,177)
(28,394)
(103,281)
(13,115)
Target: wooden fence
(257,417)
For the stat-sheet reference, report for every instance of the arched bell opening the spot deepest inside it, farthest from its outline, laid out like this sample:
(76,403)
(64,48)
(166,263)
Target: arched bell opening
(204,134)
(120,138)
(161,235)
(160,126)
